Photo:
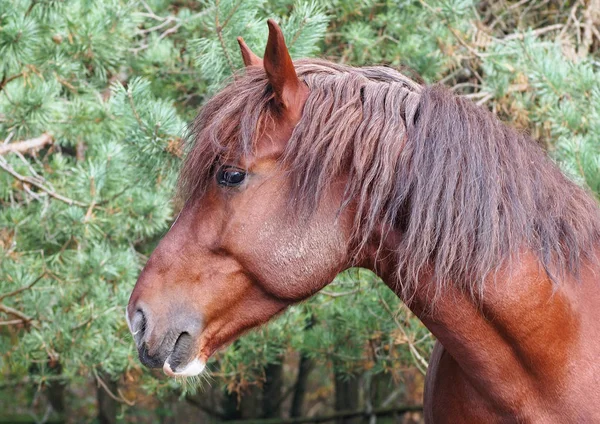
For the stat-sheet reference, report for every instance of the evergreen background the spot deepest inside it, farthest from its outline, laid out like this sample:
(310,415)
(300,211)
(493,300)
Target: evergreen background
(100,92)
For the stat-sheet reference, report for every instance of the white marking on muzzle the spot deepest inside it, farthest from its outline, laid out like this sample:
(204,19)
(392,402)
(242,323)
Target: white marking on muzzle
(190,370)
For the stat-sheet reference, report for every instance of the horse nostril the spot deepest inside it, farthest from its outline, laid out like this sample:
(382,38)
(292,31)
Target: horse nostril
(181,351)
(138,326)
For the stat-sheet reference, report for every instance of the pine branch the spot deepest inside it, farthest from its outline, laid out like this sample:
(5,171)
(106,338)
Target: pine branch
(32,145)
(6,80)
(4,165)
(165,21)
(110,199)
(21,289)
(134,110)
(219,30)
(297,33)
(233,10)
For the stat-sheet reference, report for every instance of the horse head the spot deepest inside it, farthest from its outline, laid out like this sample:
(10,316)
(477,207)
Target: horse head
(235,256)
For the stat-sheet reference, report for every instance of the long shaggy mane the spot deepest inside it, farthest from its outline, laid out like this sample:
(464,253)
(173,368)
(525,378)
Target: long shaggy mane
(466,191)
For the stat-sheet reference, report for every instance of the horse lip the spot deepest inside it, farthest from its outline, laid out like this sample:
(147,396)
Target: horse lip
(193,368)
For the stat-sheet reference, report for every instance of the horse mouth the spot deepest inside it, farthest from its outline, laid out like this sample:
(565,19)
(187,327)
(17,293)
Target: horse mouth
(180,360)
(178,363)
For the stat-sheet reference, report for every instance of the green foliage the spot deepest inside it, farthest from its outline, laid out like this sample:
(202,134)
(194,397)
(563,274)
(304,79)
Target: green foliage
(218,57)
(563,100)
(400,33)
(114,161)
(116,82)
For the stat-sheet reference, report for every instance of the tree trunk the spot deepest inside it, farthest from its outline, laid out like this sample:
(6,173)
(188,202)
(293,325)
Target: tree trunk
(107,406)
(251,402)
(304,368)
(346,396)
(272,390)
(230,407)
(55,391)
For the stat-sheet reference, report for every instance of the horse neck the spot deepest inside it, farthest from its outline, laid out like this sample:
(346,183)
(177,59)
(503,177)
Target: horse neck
(523,324)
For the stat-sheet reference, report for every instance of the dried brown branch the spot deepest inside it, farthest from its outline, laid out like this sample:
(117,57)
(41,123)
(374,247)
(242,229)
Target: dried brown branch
(591,18)
(28,180)
(483,96)
(11,311)
(22,289)
(119,398)
(420,362)
(535,32)
(464,43)
(572,17)
(164,21)
(339,294)
(151,14)
(11,322)
(170,31)
(31,145)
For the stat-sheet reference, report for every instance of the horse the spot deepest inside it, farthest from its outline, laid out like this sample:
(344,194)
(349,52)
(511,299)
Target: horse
(296,171)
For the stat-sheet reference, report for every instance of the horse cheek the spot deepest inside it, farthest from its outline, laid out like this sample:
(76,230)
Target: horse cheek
(295,263)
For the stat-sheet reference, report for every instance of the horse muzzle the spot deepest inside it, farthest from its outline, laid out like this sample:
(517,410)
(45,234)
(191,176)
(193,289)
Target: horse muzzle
(172,346)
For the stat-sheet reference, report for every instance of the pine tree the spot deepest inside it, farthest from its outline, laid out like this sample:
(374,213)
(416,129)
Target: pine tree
(95,98)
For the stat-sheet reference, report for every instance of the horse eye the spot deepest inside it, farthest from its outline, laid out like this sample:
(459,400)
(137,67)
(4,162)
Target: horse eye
(230,176)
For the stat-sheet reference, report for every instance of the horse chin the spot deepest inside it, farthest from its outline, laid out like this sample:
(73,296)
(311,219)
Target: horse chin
(192,369)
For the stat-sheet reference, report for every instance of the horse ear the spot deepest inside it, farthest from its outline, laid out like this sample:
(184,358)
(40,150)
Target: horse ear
(289,91)
(248,56)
